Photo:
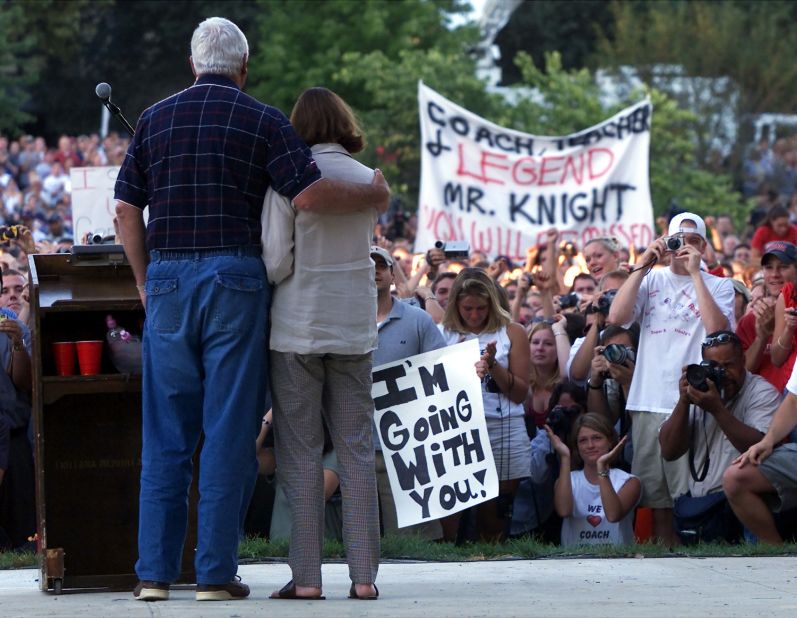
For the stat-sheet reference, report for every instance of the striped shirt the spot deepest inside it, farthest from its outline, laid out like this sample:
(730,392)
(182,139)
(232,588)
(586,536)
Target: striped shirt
(202,161)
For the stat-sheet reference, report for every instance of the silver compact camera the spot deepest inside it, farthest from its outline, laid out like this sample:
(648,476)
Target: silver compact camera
(674,243)
(454,249)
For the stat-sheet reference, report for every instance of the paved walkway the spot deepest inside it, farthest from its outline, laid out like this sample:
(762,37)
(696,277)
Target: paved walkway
(583,588)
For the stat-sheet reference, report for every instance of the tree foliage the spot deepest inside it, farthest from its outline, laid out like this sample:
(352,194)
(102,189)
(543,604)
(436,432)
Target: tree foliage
(372,54)
(63,49)
(304,43)
(569,101)
(14,80)
(751,42)
(738,56)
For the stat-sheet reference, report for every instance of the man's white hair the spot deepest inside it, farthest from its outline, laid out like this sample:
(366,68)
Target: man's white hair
(218,46)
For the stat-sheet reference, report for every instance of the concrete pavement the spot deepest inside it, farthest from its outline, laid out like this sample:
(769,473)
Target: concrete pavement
(588,587)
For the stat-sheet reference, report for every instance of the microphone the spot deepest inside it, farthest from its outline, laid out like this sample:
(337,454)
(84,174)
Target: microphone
(103,92)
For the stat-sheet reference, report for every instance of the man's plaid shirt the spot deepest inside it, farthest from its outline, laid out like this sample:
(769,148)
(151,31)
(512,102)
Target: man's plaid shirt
(202,161)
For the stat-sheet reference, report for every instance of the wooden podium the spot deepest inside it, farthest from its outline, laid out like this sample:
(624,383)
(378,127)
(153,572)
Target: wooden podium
(87,428)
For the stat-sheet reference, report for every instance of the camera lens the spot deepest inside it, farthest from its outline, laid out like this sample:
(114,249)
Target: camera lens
(697,376)
(674,243)
(615,353)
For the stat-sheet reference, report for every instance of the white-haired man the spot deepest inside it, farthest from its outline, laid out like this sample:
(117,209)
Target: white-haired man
(201,161)
(675,308)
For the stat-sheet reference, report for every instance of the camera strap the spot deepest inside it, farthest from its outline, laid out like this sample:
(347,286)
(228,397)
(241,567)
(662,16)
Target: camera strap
(700,476)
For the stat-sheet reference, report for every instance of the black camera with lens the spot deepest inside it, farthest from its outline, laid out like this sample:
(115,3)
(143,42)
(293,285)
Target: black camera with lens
(490,385)
(699,374)
(618,354)
(566,301)
(560,419)
(674,243)
(603,304)
(454,249)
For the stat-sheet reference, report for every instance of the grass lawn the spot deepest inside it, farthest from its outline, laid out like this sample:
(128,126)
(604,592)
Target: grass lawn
(399,548)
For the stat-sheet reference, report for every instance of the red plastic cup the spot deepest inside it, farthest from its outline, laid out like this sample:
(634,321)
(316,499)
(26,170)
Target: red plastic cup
(89,356)
(64,354)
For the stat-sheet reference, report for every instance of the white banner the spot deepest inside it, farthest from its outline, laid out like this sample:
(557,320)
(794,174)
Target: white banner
(430,421)
(93,206)
(501,189)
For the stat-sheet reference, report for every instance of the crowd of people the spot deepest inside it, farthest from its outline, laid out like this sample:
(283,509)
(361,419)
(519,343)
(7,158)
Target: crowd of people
(613,378)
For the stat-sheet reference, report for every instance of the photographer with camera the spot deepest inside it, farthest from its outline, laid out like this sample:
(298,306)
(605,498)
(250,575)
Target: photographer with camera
(533,509)
(722,410)
(675,307)
(595,314)
(611,372)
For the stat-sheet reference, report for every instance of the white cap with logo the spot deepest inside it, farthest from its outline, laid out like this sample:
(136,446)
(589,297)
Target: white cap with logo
(677,221)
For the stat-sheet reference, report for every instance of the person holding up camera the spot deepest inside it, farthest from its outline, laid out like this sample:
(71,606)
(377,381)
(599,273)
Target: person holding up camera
(611,371)
(722,410)
(675,308)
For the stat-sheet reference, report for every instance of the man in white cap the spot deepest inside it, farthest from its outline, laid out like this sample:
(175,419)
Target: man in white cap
(675,307)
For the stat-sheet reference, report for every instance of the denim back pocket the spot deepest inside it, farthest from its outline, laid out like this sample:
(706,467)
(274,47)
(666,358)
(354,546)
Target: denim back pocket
(163,306)
(239,302)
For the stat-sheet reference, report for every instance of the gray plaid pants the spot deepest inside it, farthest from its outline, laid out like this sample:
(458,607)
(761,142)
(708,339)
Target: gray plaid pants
(337,386)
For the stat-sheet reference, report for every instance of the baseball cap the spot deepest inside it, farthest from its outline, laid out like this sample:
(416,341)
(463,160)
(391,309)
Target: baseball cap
(741,288)
(784,251)
(383,253)
(677,220)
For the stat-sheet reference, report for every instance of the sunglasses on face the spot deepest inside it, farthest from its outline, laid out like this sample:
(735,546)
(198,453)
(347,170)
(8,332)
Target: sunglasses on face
(721,339)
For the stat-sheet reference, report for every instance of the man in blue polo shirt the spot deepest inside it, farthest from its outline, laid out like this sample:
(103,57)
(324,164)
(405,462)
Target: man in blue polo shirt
(201,161)
(403,330)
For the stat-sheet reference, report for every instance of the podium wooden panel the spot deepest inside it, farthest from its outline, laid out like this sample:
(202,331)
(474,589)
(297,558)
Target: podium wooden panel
(87,429)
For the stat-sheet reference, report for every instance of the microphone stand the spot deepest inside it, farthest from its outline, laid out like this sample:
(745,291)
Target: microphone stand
(116,112)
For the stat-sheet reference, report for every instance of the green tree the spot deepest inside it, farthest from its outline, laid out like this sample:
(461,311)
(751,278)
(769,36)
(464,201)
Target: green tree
(741,51)
(304,43)
(392,118)
(141,48)
(372,54)
(570,101)
(14,80)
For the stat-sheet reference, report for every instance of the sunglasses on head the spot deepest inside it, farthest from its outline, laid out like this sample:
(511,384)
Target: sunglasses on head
(720,339)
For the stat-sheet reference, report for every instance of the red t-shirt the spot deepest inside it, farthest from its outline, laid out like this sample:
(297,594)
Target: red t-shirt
(764,234)
(776,376)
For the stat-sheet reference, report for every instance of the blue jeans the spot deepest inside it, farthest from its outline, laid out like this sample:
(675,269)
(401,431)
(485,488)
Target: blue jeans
(205,373)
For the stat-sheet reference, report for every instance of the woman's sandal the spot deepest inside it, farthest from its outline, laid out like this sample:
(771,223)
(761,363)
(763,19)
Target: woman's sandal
(288,592)
(353,594)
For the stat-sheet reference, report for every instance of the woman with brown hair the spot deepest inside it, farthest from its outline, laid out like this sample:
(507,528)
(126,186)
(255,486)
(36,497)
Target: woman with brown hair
(323,331)
(475,311)
(594,500)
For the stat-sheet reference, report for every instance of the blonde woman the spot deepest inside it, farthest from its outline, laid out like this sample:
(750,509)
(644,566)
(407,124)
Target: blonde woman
(475,311)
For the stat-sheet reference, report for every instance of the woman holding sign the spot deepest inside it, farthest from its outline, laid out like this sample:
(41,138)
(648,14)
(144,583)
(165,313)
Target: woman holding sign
(474,311)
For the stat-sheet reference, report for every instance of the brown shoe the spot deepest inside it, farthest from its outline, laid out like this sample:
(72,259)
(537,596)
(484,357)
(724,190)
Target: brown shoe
(231,591)
(151,591)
